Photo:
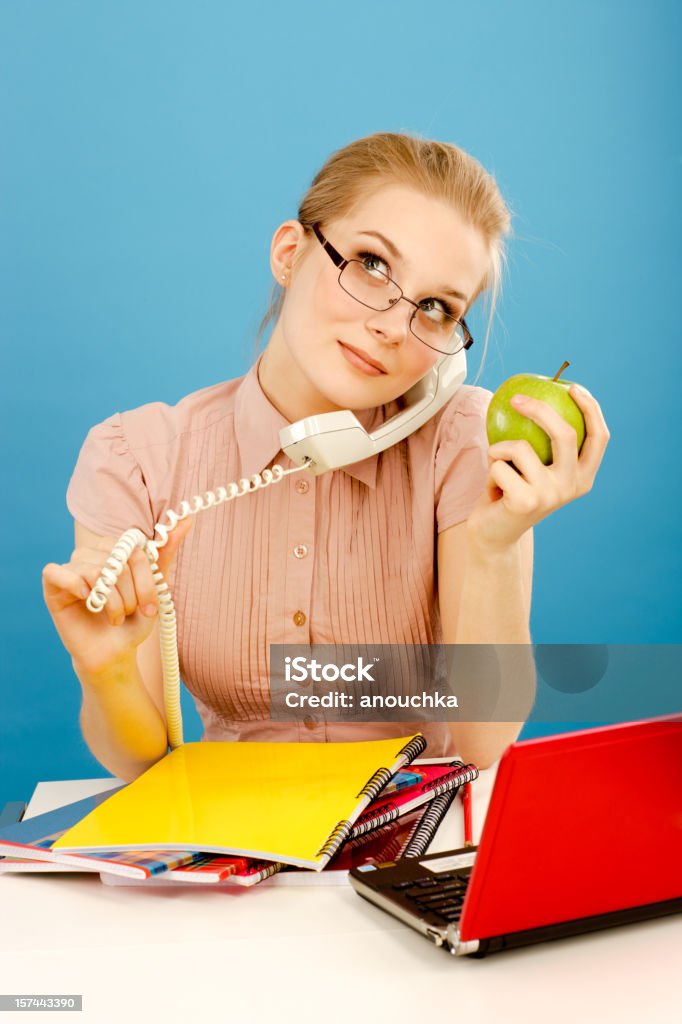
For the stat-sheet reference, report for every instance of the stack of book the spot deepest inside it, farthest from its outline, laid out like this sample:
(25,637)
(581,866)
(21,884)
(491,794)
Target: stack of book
(241,813)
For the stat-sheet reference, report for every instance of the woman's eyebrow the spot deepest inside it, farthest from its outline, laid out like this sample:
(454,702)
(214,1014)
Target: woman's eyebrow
(398,256)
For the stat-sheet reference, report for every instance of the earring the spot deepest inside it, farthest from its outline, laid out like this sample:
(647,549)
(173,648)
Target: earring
(284,277)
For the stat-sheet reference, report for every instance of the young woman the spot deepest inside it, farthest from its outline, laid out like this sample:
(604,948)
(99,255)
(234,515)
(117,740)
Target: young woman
(430,541)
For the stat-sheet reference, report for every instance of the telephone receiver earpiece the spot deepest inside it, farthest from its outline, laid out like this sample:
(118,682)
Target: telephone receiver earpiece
(335,439)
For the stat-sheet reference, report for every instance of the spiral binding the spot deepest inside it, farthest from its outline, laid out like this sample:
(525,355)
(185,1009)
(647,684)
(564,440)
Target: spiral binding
(390,850)
(270,870)
(367,822)
(454,767)
(414,748)
(413,831)
(337,838)
(382,776)
(370,822)
(462,777)
(134,538)
(421,837)
(375,783)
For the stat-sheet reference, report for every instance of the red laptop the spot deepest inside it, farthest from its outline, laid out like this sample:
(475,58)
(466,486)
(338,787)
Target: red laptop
(583,831)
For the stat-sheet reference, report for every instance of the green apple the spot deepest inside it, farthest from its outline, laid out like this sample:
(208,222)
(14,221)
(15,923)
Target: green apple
(504,423)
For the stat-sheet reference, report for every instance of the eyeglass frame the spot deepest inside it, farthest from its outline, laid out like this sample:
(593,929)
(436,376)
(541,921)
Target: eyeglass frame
(341,262)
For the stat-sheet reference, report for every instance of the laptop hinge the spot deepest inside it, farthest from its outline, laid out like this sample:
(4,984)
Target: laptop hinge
(457,946)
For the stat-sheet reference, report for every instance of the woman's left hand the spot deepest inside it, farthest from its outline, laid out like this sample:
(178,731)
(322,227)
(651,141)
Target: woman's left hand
(514,502)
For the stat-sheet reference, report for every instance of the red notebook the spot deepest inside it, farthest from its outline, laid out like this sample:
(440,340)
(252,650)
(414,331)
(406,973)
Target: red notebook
(438,779)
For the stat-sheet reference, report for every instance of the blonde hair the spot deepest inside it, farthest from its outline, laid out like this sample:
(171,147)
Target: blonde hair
(439,170)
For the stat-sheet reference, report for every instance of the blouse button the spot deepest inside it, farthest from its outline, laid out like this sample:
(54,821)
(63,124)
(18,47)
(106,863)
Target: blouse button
(300,551)
(302,486)
(309,722)
(299,618)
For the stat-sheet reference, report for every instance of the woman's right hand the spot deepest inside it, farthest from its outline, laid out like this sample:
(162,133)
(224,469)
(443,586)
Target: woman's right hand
(95,641)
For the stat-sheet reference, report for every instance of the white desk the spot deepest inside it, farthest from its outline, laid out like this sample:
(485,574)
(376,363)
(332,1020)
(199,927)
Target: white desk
(308,954)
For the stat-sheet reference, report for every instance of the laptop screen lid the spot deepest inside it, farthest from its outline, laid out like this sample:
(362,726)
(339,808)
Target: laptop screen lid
(579,824)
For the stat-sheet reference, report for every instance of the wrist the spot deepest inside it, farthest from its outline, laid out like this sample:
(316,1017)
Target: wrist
(485,551)
(94,671)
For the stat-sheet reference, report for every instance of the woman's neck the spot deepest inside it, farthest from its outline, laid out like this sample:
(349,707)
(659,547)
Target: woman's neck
(286,387)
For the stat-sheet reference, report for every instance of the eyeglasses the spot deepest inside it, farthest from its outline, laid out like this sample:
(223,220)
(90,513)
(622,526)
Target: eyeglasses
(430,322)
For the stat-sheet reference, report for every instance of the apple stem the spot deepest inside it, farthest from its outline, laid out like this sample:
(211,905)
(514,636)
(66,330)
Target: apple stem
(561,369)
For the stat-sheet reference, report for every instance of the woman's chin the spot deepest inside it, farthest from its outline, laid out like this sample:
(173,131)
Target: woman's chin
(348,388)
(354,395)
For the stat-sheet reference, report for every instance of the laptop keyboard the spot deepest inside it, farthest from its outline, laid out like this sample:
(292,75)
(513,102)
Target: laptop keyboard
(441,897)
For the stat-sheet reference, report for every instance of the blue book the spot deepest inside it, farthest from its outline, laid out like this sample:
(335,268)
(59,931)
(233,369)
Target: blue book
(27,846)
(403,780)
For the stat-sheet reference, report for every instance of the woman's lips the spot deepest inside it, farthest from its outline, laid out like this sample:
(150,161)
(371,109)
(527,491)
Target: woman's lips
(360,363)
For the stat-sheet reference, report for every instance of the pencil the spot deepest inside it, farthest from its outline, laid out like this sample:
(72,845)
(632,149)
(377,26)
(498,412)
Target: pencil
(468,828)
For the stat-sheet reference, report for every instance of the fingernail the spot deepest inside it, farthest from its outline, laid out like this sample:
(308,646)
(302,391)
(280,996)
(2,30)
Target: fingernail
(85,592)
(581,390)
(149,610)
(519,400)
(119,620)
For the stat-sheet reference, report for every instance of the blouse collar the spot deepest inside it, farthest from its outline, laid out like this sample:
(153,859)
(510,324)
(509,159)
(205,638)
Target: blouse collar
(258,423)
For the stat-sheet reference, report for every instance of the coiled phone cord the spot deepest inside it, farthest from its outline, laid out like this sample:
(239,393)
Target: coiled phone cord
(134,538)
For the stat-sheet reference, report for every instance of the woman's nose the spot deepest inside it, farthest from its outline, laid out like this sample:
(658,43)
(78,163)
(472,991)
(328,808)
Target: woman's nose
(393,323)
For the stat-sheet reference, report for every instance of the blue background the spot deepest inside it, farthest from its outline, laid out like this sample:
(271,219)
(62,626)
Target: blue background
(150,150)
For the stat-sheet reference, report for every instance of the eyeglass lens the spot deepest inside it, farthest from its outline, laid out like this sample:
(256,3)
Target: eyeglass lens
(374,289)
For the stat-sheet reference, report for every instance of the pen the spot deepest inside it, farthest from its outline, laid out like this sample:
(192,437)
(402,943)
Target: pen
(466,801)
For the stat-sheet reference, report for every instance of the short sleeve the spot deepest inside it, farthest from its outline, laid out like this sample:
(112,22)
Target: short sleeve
(107,492)
(461,456)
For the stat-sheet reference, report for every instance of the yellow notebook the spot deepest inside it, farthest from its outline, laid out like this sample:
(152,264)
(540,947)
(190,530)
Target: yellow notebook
(289,802)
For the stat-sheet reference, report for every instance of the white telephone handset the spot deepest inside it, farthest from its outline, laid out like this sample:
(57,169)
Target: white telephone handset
(318,444)
(336,439)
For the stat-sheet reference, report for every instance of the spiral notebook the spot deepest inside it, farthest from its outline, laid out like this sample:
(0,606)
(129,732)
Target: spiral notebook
(389,842)
(289,802)
(437,780)
(211,869)
(425,829)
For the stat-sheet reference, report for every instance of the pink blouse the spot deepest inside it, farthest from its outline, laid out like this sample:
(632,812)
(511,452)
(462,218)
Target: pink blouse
(345,557)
